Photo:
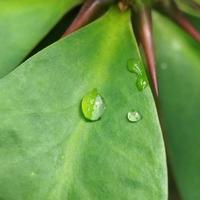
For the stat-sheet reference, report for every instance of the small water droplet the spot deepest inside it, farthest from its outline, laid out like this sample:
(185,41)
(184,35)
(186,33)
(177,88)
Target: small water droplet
(134,116)
(135,66)
(141,83)
(93,105)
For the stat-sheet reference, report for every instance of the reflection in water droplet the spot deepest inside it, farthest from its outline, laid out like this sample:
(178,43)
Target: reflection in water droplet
(135,66)
(93,105)
(134,116)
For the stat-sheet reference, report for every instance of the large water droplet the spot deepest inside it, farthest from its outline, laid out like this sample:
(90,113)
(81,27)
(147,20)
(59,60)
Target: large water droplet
(134,116)
(93,105)
(135,66)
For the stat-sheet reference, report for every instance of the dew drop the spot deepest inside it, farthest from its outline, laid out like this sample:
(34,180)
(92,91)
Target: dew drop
(135,66)
(93,105)
(141,83)
(134,116)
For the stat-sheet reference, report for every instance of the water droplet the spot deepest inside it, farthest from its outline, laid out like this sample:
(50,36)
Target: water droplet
(93,105)
(135,66)
(134,116)
(141,83)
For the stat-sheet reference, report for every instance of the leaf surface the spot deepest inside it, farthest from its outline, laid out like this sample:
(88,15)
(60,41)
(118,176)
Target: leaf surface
(23,23)
(49,151)
(178,58)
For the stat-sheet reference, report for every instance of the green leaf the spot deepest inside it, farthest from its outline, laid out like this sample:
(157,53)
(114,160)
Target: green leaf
(23,24)
(49,151)
(179,79)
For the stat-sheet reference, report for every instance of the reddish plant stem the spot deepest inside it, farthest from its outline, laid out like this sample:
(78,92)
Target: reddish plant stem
(123,5)
(88,12)
(183,22)
(174,13)
(146,40)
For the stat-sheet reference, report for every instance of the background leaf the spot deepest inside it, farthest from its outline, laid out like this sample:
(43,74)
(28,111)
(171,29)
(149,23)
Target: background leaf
(51,151)
(23,23)
(178,61)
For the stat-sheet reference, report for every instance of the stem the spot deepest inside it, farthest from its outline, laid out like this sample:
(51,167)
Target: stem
(174,13)
(146,40)
(123,5)
(89,11)
(183,22)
